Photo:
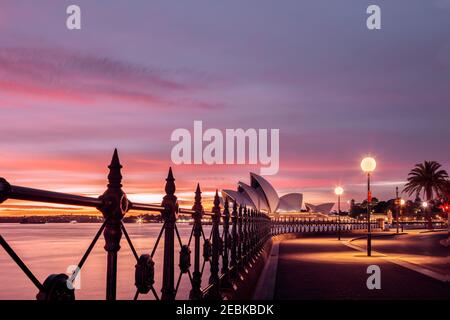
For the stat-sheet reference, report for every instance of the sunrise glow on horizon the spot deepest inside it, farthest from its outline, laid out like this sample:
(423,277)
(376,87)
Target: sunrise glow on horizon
(67,99)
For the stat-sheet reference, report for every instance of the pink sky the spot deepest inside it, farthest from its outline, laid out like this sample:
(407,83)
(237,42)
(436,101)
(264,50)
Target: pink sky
(133,74)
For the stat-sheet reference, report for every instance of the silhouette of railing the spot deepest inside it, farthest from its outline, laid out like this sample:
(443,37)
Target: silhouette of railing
(235,242)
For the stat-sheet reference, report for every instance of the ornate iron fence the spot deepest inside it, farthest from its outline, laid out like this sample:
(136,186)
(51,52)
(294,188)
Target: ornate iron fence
(237,237)
(235,247)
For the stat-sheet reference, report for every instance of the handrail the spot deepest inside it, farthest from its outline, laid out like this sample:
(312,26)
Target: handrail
(144,207)
(37,195)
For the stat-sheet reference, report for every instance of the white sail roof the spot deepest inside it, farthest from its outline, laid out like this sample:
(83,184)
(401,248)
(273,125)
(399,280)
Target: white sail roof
(321,208)
(291,202)
(271,196)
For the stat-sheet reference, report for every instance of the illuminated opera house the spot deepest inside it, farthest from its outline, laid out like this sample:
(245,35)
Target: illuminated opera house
(261,195)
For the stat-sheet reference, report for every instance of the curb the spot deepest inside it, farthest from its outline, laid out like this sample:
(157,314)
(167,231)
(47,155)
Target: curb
(434,230)
(403,263)
(265,287)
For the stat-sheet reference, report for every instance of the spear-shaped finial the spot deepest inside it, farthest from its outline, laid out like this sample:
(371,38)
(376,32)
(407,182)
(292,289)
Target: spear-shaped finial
(216,202)
(115,176)
(170,183)
(170,200)
(198,194)
(216,199)
(198,200)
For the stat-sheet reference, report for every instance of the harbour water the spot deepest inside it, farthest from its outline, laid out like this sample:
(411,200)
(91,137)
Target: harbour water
(54,248)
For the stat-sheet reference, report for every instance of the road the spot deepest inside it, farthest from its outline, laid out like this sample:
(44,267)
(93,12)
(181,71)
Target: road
(324,268)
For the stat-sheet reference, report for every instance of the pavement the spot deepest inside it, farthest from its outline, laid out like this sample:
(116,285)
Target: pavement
(325,268)
(420,248)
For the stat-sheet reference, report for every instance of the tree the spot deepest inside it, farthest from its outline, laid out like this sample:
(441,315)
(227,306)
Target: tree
(429,179)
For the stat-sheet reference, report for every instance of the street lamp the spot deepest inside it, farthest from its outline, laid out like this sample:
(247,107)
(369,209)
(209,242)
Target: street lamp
(339,191)
(425,205)
(402,203)
(368,165)
(397,204)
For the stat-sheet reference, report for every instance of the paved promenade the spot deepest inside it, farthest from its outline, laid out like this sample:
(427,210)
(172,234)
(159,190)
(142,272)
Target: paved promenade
(422,248)
(324,268)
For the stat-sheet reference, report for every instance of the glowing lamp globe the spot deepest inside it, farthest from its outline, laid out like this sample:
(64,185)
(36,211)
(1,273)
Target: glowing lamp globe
(368,164)
(425,204)
(402,202)
(338,191)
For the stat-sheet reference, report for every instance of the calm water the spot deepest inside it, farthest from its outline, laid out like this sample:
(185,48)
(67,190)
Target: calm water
(52,248)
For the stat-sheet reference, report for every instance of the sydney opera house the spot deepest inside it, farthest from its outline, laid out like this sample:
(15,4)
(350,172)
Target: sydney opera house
(261,195)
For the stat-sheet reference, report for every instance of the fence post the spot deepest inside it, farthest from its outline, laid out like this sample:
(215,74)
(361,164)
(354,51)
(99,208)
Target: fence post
(169,216)
(196,292)
(225,283)
(240,238)
(255,231)
(260,236)
(251,233)
(114,207)
(235,242)
(245,238)
(214,281)
(279,226)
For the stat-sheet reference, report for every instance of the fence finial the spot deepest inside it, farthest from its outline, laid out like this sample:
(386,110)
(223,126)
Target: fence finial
(170,183)
(115,176)
(170,200)
(216,199)
(198,199)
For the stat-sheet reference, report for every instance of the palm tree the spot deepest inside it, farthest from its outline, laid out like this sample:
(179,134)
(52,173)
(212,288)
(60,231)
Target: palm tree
(428,178)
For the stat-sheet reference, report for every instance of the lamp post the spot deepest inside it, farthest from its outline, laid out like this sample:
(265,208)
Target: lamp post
(425,205)
(402,203)
(339,191)
(397,204)
(368,165)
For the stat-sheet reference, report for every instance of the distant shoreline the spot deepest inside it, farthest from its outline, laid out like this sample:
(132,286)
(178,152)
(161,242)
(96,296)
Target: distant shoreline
(74,219)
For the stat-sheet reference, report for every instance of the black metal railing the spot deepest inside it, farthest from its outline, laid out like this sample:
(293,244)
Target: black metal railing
(237,237)
(289,224)
(249,231)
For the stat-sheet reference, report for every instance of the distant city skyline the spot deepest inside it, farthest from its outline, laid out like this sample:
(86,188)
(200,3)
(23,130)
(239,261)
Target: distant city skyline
(134,73)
